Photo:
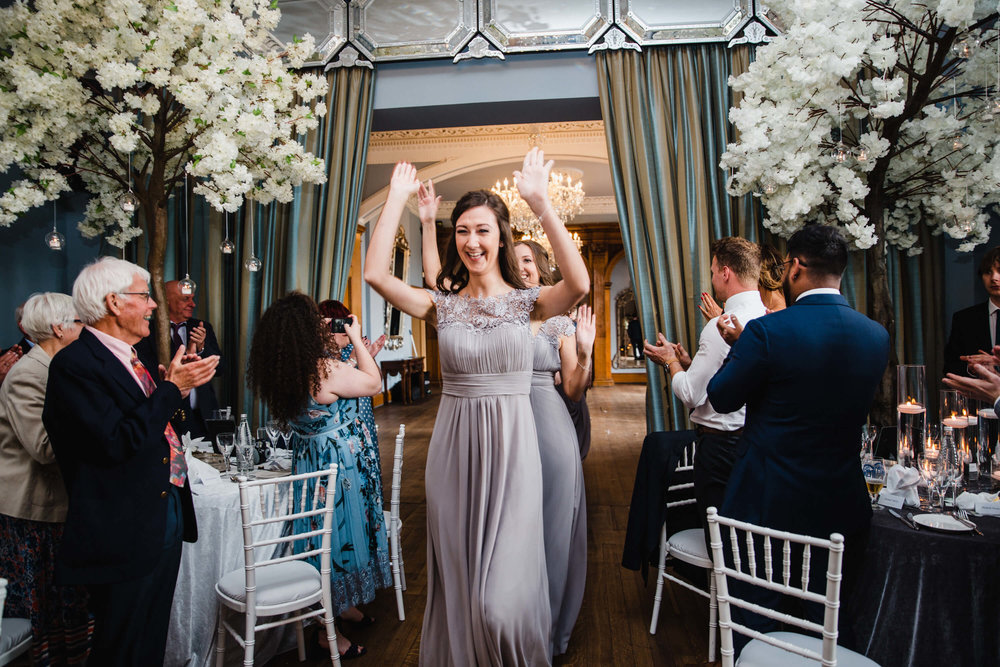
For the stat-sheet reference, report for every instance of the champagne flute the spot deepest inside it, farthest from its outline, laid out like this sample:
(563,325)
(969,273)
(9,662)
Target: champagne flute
(869,433)
(226,443)
(874,471)
(273,432)
(286,434)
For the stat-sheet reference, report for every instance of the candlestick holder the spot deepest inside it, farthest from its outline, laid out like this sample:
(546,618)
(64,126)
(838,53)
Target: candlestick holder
(911,411)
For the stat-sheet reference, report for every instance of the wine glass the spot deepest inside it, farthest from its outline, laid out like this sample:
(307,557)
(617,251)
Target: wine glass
(869,433)
(874,471)
(927,467)
(273,428)
(286,434)
(226,443)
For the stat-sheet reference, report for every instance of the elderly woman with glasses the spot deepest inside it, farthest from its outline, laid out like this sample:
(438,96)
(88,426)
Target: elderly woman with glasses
(32,495)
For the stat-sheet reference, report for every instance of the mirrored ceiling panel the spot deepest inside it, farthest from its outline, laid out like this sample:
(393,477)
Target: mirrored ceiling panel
(666,21)
(526,25)
(325,20)
(394,30)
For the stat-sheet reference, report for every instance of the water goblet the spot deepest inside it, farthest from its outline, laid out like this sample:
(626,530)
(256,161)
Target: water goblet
(273,428)
(869,433)
(286,434)
(874,471)
(226,442)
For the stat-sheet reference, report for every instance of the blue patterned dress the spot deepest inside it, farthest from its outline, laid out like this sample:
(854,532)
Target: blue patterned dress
(360,553)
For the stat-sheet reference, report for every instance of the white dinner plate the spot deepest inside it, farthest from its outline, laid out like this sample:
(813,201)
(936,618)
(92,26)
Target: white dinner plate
(942,522)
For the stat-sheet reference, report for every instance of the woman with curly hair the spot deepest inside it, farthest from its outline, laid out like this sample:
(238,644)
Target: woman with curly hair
(295,368)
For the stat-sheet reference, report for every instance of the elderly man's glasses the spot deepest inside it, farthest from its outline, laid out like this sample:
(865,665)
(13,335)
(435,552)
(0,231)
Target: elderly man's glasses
(144,295)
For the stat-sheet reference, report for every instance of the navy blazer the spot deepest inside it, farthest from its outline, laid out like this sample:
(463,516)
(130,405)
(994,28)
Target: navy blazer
(108,440)
(970,333)
(808,375)
(147,351)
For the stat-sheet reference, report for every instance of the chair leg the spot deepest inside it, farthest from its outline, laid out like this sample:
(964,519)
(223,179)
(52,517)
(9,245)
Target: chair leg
(249,637)
(396,581)
(713,616)
(300,639)
(331,637)
(659,580)
(220,640)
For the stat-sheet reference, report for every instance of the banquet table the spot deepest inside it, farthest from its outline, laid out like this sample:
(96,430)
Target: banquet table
(928,597)
(219,549)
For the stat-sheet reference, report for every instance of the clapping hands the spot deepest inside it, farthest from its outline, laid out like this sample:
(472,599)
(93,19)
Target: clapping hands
(427,202)
(586,328)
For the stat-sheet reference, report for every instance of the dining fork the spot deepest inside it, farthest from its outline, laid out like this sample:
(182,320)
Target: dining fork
(963,516)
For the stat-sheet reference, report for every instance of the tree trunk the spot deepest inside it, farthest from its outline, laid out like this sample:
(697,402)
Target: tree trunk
(157,255)
(880,307)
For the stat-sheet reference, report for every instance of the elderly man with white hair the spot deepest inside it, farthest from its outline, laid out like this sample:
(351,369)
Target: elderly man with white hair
(130,506)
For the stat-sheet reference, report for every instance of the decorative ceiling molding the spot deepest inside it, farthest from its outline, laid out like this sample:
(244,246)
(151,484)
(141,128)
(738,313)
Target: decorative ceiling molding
(463,29)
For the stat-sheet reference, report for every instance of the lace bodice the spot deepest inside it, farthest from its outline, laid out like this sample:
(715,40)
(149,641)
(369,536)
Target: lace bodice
(485,335)
(546,343)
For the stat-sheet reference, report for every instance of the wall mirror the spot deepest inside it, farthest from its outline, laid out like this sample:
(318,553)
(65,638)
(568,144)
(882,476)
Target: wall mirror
(628,354)
(398,266)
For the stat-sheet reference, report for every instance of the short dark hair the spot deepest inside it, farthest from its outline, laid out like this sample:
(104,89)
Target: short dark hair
(454,276)
(740,255)
(821,248)
(989,260)
(333,309)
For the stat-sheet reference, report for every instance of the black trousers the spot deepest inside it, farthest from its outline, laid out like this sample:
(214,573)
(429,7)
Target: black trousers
(713,463)
(131,618)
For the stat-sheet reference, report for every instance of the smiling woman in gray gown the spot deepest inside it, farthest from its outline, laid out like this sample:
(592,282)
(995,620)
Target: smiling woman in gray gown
(486,579)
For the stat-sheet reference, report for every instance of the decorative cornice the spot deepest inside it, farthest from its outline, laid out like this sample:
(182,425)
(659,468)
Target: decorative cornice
(497,134)
(478,48)
(753,33)
(614,40)
(348,57)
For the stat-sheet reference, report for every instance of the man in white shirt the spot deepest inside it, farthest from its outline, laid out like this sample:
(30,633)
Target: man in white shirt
(735,271)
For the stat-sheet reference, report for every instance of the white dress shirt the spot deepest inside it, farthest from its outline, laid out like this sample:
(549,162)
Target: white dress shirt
(691,386)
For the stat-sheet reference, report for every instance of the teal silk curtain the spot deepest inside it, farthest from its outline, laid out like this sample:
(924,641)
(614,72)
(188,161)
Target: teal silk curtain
(665,115)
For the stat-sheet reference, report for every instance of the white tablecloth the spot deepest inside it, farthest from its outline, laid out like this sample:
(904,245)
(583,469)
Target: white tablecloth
(219,549)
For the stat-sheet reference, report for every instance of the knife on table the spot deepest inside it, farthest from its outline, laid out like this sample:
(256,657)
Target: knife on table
(900,517)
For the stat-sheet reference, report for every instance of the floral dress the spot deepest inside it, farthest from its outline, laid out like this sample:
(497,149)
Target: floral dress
(360,554)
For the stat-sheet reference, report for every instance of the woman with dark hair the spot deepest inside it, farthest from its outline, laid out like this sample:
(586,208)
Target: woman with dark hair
(294,367)
(487,600)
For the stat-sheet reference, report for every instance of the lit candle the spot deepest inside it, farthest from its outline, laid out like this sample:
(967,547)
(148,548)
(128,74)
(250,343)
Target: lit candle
(911,407)
(955,421)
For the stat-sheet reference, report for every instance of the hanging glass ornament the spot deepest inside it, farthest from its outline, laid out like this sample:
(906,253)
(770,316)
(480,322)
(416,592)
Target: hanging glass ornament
(253,264)
(54,240)
(227,247)
(187,286)
(128,201)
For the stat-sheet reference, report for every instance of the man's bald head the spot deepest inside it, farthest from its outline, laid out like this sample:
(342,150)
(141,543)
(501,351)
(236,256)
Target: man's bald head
(180,307)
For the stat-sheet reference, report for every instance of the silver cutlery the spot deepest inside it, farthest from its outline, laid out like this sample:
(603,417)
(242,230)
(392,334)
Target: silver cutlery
(963,517)
(900,517)
(909,515)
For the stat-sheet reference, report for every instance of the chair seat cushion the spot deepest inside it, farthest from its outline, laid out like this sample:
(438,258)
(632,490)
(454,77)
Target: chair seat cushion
(276,584)
(15,636)
(689,546)
(761,654)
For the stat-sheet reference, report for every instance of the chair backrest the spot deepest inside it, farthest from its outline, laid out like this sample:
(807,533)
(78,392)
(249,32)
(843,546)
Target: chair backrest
(3,597)
(682,493)
(750,573)
(317,503)
(397,473)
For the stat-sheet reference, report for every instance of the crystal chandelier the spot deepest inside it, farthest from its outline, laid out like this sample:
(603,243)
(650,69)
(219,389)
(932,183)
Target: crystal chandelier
(565,195)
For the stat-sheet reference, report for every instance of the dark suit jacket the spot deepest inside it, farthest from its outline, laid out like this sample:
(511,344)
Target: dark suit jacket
(207,401)
(970,333)
(807,375)
(108,440)
(23,344)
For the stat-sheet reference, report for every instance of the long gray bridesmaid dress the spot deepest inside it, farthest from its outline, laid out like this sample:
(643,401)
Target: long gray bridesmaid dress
(487,601)
(564,505)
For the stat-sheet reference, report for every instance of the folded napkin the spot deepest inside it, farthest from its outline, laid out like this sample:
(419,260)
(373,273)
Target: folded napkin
(200,473)
(195,444)
(967,501)
(902,481)
(281,459)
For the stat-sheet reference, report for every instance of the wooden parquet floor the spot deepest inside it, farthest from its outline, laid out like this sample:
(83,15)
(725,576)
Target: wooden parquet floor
(613,627)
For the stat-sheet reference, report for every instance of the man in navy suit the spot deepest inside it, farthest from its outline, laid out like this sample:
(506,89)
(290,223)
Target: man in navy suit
(198,337)
(807,375)
(130,506)
(974,329)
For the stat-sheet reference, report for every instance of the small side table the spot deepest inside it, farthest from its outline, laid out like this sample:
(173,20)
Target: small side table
(406,369)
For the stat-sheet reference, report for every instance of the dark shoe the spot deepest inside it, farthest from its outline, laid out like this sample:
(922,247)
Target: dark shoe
(365,621)
(353,652)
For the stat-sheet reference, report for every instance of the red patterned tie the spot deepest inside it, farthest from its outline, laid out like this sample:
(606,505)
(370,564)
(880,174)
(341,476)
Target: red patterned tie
(178,465)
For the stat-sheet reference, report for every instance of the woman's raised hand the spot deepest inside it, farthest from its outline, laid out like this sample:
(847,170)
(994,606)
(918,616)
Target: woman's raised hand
(533,180)
(427,202)
(708,307)
(352,327)
(586,328)
(404,180)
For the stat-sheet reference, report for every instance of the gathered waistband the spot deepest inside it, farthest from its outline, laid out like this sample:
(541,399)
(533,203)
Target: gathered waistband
(542,379)
(474,385)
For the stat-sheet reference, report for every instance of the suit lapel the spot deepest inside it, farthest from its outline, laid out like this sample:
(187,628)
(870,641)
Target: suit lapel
(111,365)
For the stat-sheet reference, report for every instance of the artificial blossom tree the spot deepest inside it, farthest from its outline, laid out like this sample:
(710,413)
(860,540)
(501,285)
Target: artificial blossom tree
(877,117)
(122,96)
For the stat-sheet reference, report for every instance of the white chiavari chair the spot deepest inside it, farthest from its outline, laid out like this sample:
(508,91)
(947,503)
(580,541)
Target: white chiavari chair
(15,633)
(393,524)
